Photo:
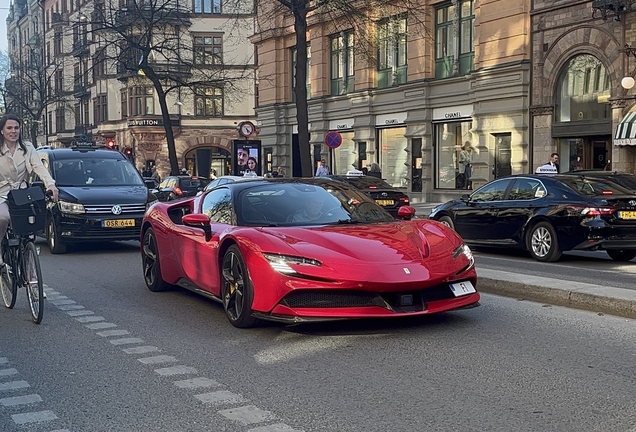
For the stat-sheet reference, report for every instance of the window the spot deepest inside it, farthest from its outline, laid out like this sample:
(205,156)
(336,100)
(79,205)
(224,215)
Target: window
(449,139)
(208,49)
(60,123)
(308,81)
(217,204)
(57,43)
(392,51)
(527,189)
(208,102)
(342,67)
(99,65)
(491,192)
(141,101)
(446,46)
(124,103)
(59,81)
(100,108)
(207,6)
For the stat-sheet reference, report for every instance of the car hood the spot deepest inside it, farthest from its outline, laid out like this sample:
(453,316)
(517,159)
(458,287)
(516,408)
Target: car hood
(103,195)
(411,250)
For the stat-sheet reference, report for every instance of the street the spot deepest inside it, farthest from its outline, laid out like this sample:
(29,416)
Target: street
(112,356)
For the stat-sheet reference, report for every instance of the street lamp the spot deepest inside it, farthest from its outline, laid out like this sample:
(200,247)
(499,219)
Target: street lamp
(628,81)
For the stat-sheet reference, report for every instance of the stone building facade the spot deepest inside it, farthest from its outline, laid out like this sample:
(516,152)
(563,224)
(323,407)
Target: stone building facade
(578,63)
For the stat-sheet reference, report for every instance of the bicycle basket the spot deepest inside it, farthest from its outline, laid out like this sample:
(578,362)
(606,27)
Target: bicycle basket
(27,208)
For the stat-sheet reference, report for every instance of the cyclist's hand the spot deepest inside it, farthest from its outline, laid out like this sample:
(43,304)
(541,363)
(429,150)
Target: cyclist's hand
(54,192)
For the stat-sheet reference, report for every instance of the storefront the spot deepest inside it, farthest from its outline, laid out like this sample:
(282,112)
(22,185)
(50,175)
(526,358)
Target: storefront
(393,148)
(347,156)
(452,132)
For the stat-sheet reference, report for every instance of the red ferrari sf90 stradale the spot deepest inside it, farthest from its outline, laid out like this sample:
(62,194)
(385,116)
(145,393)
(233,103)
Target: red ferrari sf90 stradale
(296,250)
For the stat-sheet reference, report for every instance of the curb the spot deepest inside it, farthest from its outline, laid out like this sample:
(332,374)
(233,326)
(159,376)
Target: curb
(608,300)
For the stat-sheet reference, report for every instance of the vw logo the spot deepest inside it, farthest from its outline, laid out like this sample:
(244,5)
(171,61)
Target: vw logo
(632,203)
(384,194)
(116,209)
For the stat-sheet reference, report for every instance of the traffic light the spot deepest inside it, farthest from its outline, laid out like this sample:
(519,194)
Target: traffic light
(128,153)
(110,143)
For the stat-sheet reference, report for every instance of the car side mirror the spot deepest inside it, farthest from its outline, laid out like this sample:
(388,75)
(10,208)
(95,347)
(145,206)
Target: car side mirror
(406,212)
(465,199)
(150,184)
(198,220)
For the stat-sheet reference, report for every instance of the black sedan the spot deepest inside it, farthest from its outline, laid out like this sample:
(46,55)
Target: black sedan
(385,195)
(173,187)
(627,180)
(547,215)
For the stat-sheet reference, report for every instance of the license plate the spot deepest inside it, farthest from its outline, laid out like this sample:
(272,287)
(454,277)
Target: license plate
(627,215)
(118,223)
(462,288)
(385,202)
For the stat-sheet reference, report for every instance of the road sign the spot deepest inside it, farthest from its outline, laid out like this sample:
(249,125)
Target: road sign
(83,138)
(333,139)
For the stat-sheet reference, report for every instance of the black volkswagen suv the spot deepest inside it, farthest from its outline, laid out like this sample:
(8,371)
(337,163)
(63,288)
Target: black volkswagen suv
(102,196)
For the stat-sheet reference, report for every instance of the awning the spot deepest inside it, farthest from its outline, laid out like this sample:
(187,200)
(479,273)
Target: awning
(626,131)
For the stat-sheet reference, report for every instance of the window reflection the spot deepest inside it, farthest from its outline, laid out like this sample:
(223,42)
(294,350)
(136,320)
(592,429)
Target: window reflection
(582,91)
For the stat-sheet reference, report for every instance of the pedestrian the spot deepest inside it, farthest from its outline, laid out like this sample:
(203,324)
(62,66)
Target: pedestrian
(154,174)
(554,161)
(280,172)
(465,167)
(374,170)
(322,169)
(18,159)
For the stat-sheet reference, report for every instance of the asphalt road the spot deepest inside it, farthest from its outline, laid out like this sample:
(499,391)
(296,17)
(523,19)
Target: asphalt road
(112,356)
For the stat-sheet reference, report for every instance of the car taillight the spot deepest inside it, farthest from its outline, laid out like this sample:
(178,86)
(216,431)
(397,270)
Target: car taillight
(373,187)
(607,192)
(178,191)
(404,200)
(597,211)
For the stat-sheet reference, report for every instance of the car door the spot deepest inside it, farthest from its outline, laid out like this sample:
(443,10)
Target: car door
(198,255)
(525,196)
(477,219)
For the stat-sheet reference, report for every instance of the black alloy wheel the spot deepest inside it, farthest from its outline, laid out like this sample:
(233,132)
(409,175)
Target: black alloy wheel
(236,289)
(622,255)
(150,263)
(542,243)
(56,245)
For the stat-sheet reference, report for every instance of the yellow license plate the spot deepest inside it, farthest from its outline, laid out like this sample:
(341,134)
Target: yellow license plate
(118,223)
(627,215)
(385,202)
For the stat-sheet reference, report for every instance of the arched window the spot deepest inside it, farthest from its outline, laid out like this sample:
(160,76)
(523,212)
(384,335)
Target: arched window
(582,91)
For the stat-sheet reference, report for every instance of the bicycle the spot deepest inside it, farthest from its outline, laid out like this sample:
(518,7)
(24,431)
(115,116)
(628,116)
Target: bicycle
(22,268)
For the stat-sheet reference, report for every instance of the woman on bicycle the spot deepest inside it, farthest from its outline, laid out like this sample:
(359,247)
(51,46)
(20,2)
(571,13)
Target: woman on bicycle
(17,160)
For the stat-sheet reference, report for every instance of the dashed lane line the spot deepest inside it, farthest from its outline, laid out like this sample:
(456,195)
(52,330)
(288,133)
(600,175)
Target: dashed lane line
(14,385)
(248,414)
(158,359)
(176,370)
(199,382)
(90,318)
(221,397)
(109,333)
(100,325)
(126,341)
(21,400)
(33,417)
(278,427)
(8,372)
(140,349)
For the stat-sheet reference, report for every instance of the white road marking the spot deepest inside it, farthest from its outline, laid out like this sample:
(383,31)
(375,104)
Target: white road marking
(140,350)
(77,313)
(8,372)
(221,397)
(13,385)
(196,383)
(33,417)
(63,302)
(158,359)
(278,427)
(61,430)
(100,325)
(70,307)
(125,341)
(21,400)
(93,318)
(4,360)
(112,333)
(247,415)
(176,370)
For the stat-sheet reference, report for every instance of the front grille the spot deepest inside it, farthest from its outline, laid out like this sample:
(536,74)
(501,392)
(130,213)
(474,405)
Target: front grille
(107,209)
(344,299)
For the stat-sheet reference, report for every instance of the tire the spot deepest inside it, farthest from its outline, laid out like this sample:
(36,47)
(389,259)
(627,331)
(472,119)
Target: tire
(53,239)
(622,255)
(237,292)
(33,281)
(446,220)
(542,243)
(8,284)
(150,263)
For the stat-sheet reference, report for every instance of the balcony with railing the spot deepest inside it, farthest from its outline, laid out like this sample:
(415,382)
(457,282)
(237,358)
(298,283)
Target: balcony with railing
(81,91)
(81,48)
(59,19)
(607,8)
(175,15)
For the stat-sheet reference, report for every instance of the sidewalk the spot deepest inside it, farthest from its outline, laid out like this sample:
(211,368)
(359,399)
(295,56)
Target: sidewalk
(576,295)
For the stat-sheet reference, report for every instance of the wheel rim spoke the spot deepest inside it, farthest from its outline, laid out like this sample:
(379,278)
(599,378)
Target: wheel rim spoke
(150,258)
(233,281)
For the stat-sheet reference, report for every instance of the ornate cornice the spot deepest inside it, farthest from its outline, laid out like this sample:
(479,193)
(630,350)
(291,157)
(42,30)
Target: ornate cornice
(538,110)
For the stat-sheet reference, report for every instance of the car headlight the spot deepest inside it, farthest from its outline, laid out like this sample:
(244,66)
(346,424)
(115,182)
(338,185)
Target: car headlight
(281,263)
(72,208)
(150,203)
(463,249)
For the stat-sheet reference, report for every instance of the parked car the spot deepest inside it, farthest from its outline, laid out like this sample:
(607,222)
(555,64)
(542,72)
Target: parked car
(627,180)
(305,249)
(385,195)
(227,179)
(173,187)
(102,196)
(547,215)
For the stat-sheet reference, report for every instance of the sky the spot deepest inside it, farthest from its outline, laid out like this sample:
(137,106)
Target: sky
(4,11)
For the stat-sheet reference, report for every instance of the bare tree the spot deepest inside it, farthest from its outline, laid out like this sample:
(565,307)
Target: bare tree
(362,17)
(149,40)
(5,73)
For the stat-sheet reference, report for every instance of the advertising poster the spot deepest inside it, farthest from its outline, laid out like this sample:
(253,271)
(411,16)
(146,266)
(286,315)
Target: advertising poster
(247,157)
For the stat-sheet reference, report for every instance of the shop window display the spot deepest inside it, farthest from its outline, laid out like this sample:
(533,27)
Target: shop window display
(449,140)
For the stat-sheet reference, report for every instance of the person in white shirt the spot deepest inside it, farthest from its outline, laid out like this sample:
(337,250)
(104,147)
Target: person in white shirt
(322,169)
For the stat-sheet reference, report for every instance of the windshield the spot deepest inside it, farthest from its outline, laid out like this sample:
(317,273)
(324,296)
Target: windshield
(300,204)
(95,172)
(595,187)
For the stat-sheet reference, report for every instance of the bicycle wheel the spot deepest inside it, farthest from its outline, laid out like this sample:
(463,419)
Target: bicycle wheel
(32,275)
(8,284)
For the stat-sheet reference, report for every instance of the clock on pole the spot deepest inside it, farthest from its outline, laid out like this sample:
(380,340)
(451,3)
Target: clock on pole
(246,129)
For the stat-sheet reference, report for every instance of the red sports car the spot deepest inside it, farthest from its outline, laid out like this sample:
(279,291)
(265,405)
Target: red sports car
(295,250)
